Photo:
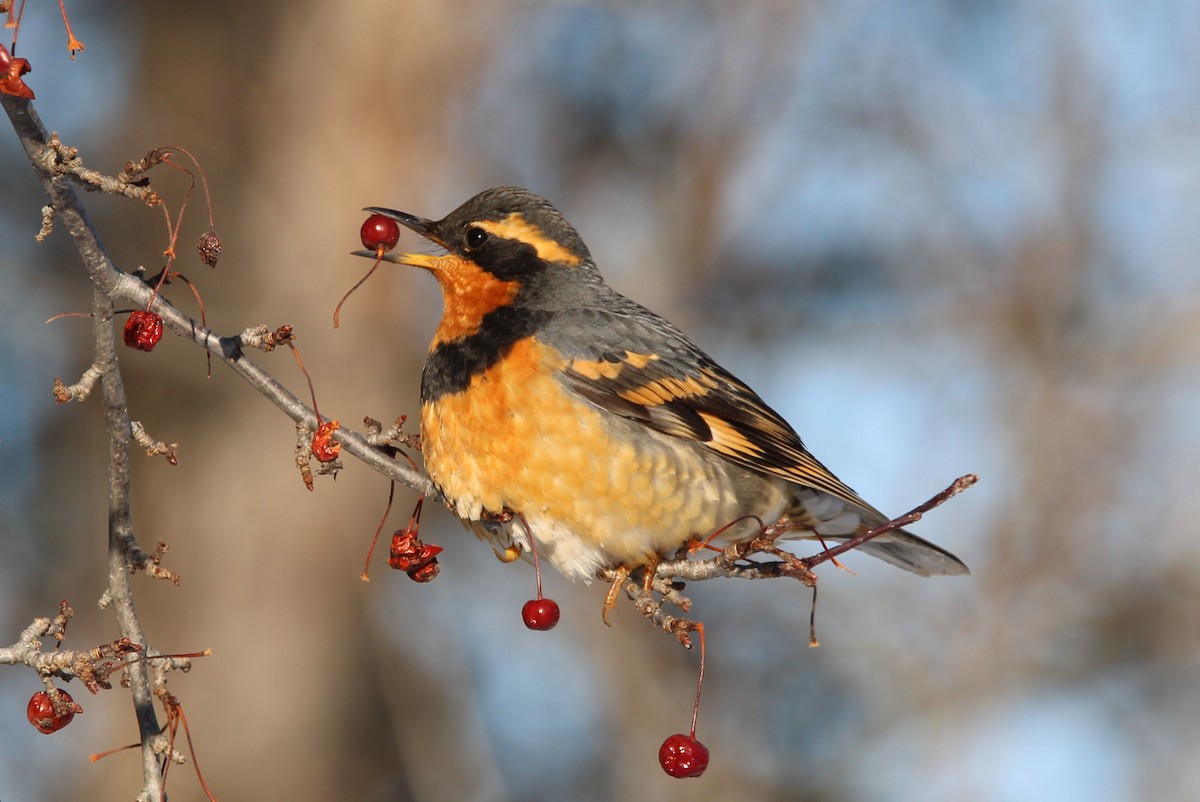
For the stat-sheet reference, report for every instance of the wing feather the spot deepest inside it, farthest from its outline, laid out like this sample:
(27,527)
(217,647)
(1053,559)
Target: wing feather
(642,368)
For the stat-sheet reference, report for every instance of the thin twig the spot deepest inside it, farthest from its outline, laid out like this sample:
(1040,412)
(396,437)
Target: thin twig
(911,517)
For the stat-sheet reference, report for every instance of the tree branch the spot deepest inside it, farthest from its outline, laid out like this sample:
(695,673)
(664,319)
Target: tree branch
(120,523)
(118,285)
(54,166)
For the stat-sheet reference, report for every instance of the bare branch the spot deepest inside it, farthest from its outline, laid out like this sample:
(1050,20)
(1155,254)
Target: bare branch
(755,557)
(153,447)
(94,667)
(54,164)
(49,157)
(58,159)
(79,390)
(71,215)
(47,224)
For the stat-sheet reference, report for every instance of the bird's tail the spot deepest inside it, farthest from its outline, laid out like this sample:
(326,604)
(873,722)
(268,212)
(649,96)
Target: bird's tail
(835,519)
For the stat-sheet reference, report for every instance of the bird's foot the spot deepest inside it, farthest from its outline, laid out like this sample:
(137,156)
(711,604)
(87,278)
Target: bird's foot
(619,575)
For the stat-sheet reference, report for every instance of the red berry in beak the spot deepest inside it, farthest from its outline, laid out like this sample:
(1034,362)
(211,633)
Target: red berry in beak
(380,232)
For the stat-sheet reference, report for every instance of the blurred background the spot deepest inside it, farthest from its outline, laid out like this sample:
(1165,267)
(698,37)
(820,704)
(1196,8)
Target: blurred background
(939,237)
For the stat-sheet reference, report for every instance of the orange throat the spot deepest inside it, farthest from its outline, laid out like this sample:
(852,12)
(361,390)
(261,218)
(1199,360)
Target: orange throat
(469,294)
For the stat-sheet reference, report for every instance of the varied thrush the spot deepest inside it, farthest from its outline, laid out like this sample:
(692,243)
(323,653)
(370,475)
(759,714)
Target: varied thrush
(554,406)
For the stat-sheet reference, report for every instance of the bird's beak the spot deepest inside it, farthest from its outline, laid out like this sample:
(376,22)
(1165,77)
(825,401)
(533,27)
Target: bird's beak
(426,228)
(425,260)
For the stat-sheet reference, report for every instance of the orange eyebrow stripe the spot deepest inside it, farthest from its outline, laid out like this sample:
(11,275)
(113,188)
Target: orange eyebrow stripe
(516,227)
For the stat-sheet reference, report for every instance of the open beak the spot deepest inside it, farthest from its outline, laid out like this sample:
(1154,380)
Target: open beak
(426,228)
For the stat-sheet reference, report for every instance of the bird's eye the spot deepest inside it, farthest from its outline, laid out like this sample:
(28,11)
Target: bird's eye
(476,236)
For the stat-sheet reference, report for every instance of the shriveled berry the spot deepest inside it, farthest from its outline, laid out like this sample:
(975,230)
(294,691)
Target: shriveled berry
(683,756)
(209,248)
(427,572)
(380,232)
(540,614)
(143,330)
(11,70)
(323,446)
(410,555)
(41,714)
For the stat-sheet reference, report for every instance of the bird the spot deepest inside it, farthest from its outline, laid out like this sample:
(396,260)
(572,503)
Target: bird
(555,409)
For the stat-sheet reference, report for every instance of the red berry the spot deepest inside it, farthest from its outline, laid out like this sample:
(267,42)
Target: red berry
(540,614)
(380,232)
(40,711)
(143,330)
(683,756)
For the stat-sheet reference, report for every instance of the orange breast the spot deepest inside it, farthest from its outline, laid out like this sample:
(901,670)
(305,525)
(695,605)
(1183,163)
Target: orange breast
(595,488)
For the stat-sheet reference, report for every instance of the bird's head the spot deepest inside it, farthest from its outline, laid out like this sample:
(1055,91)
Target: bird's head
(505,247)
(507,232)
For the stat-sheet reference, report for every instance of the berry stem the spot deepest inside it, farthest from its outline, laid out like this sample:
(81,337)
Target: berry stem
(812,621)
(700,682)
(537,565)
(365,576)
(311,391)
(337,310)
